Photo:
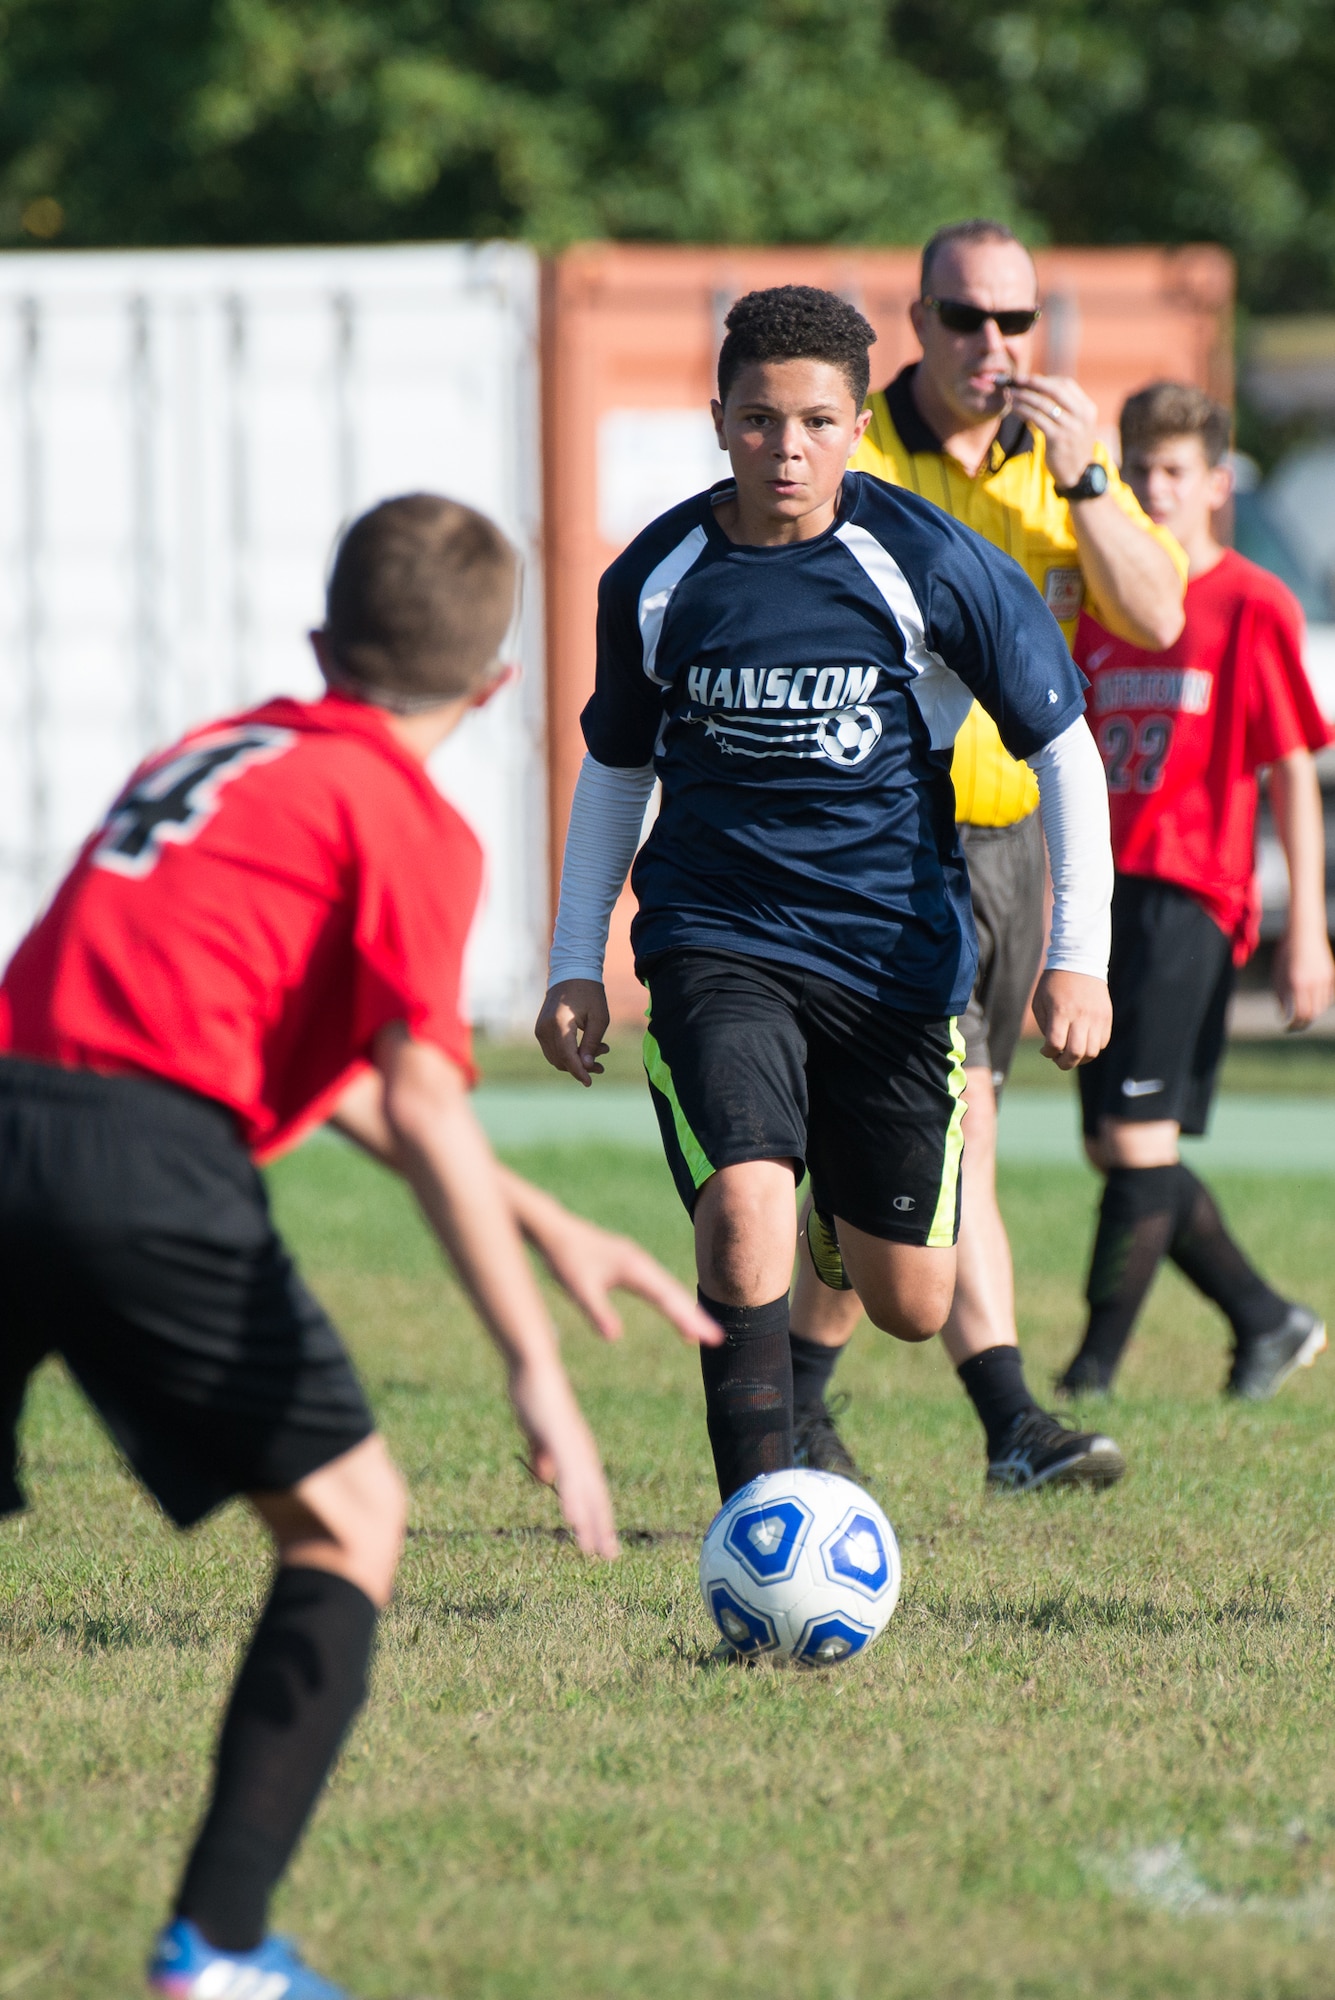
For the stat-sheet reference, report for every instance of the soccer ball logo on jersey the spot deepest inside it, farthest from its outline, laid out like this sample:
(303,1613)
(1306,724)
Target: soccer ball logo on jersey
(850,735)
(803,712)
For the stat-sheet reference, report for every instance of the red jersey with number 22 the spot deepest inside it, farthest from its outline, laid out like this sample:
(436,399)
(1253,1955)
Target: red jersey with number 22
(261,900)
(1184,731)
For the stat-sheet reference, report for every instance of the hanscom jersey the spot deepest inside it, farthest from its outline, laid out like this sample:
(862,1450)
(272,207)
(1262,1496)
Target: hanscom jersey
(1183,733)
(1013,502)
(260,901)
(799,704)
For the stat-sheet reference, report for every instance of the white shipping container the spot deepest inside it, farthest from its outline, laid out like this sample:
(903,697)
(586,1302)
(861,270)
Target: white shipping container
(181,435)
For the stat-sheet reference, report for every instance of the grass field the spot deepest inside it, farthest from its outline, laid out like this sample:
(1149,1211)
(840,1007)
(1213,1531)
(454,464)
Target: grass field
(1091,1755)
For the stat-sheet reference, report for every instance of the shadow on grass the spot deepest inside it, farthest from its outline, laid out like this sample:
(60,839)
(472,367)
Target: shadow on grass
(127,1631)
(1075,1611)
(635,1538)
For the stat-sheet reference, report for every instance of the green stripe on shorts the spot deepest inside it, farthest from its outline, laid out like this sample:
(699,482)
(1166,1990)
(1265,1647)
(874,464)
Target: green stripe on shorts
(942,1232)
(698,1165)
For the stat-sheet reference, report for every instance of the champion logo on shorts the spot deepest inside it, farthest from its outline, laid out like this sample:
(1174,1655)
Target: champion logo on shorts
(904,1202)
(1133,1086)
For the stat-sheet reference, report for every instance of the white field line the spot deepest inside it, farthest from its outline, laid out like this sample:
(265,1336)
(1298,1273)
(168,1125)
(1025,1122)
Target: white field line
(1164,1878)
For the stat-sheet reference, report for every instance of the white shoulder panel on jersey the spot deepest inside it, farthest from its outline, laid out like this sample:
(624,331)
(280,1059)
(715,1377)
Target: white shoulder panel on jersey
(941,695)
(656,595)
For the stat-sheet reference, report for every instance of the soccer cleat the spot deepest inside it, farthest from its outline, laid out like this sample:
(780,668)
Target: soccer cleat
(726,1655)
(1038,1451)
(1262,1365)
(823,1243)
(817,1443)
(185,1966)
(1085,1376)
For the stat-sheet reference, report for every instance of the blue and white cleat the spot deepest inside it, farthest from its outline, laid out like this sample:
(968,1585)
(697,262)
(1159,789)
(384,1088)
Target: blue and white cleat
(185,1966)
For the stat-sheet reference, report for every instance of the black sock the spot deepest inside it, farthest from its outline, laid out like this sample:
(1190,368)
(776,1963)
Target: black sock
(748,1392)
(1137,1218)
(300,1684)
(1204,1251)
(813,1366)
(996,1385)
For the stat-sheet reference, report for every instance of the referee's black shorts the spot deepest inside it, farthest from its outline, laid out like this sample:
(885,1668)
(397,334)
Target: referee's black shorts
(136,1242)
(752,1060)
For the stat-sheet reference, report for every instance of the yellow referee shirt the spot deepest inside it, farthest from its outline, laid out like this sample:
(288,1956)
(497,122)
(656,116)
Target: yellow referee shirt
(1012,500)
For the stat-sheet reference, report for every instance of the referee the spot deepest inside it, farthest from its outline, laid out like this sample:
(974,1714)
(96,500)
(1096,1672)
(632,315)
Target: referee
(1014,456)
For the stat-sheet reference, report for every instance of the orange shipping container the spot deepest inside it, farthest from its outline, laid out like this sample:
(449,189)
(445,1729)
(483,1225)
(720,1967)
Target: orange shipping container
(630,338)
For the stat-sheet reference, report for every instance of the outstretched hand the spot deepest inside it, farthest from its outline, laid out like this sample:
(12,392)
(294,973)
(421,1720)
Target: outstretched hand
(571,1028)
(563,1455)
(590,1263)
(1074,1013)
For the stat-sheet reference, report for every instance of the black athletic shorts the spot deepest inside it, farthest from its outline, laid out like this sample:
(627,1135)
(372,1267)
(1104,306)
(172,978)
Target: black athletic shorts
(1170,977)
(1007,874)
(136,1241)
(749,1060)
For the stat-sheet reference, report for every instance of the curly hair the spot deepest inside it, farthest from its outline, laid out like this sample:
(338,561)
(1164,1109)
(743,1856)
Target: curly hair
(796,323)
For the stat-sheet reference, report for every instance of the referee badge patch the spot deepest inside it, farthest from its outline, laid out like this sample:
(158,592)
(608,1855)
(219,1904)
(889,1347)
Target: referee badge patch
(1064,593)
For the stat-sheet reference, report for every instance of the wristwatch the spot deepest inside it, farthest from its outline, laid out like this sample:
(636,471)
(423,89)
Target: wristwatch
(1092,481)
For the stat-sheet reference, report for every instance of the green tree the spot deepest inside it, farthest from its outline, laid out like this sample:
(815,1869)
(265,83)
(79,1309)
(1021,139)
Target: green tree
(264,121)
(159,121)
(1136,121)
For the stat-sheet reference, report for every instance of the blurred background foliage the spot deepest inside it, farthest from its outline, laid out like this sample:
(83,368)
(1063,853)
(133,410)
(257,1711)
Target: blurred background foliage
(1099,121)
(245,121)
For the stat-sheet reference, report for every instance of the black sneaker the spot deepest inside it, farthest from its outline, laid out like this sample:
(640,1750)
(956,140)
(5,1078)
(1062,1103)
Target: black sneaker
(1261,1366)
(1085,1376)
(818,1445)
(1039,1451)
(823,1243)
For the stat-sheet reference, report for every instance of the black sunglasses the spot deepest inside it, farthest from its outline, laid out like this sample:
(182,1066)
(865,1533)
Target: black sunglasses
(957,317)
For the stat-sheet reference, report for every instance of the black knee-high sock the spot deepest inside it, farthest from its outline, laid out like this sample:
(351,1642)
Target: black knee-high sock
(997,1389)
(813,1365)
(1204,1251)
(1137,1219)
(300,1684)
(748,1392)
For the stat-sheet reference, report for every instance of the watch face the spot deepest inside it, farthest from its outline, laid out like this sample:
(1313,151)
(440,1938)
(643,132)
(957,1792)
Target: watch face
(1094,479)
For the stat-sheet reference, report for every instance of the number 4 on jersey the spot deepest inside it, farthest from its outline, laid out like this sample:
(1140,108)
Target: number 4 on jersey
(171,802)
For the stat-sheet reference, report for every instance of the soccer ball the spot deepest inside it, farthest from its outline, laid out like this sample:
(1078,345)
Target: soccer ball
(800,1566)
(849,735)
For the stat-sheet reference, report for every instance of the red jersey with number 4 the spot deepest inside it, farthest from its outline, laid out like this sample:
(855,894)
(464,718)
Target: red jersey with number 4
(1184,731)
(261,900)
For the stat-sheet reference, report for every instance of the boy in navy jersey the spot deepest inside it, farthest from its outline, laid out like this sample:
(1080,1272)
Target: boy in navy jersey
(267,930)
(792,654)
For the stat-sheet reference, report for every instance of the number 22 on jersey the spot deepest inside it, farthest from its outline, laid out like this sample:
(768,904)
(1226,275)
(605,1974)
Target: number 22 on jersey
(1134,754)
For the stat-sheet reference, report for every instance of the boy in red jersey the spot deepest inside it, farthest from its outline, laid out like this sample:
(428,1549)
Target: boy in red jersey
(1183,734)
(267,930)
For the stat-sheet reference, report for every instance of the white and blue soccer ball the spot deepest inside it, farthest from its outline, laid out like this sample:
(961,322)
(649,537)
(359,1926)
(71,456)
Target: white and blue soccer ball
(800,1566)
